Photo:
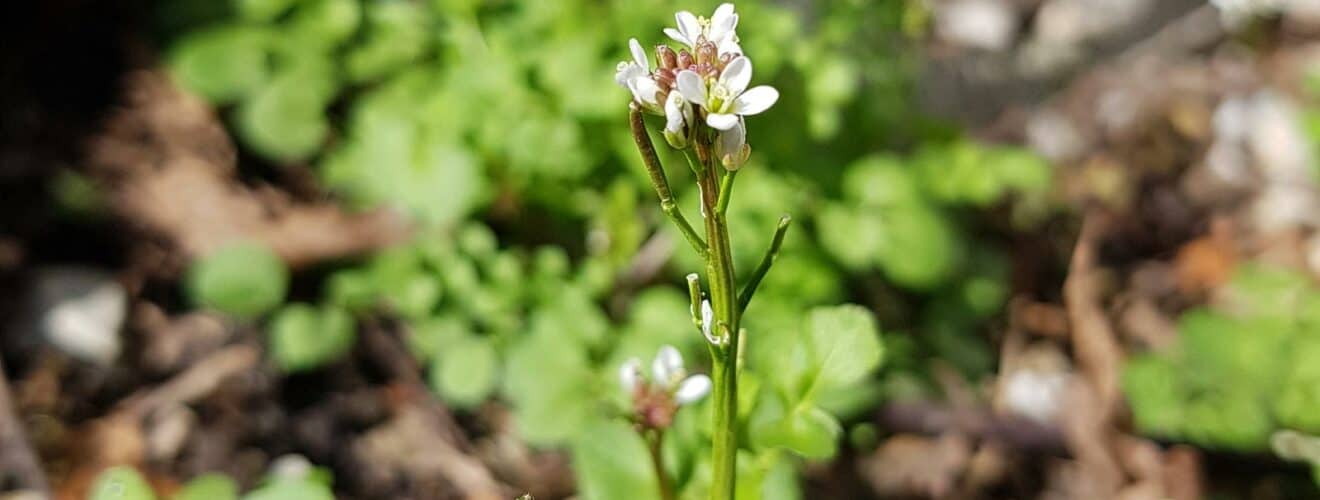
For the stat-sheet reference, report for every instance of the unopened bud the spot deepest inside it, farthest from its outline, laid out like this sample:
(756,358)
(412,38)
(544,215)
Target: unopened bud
(685,59)
(707,53)
(665,57)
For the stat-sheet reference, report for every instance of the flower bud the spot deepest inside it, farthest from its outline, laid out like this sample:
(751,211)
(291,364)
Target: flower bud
(707,53)
(665,57)
(685,59)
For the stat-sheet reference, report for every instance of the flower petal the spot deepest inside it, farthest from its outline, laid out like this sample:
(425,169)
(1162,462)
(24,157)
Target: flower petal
(755,100)
(692,389)
(688,25)
(708,322)
(723,22)
(737,75)
(625,72)
(679,37)
(729,46)
(692,87)
(674,116)
(644,89)
(731,141)
(721,121)
(630,375)
(668,366)
(639,55)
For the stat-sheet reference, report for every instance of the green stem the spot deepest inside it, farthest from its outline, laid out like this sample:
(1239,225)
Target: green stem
(767,260)
(724,301)
(654,439)
(661,183)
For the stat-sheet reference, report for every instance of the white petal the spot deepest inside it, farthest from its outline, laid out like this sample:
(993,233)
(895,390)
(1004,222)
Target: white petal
(729,46)
(723,22)
(737,75)
(721,121)
(755,100)
(639,55)
(624,72)
(688,25)
(668,366)
(692,389)
(679,37)
(674,116)
(644,89)
(731,141)
(630,375)
(708,322)
(692,87)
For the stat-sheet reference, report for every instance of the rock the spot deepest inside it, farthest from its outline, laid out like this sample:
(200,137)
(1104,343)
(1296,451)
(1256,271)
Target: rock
(79,310)
(981,24)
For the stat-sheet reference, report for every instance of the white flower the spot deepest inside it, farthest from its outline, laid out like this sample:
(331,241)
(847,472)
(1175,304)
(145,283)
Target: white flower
(668,366)
(668,375)
(692,389)
(727,98)
(677,117)
(719,29)
(731,146)
(635,75)
(630,375)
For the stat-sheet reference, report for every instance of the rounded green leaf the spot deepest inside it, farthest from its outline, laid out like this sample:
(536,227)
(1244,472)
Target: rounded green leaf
(244,280)
(290,489)
(121,483)
(467,372)
(223,63)
(209,487)
(303,337)
(844,344)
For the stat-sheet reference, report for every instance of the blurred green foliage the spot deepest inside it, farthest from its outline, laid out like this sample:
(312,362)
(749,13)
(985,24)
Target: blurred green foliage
(245,280)
(1241,370)
(125,483)
(465,113)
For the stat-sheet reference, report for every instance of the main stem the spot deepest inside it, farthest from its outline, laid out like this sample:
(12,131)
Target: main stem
(724,301)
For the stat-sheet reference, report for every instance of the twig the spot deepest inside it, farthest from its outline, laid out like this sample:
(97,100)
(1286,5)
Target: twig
(16,456)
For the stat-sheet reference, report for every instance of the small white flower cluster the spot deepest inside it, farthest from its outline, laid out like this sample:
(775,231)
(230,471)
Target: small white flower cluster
(711,76)
(656,400)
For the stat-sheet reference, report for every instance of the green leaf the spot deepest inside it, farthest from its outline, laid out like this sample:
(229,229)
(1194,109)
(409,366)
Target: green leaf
(209,487)
(804,429)
(429,337)
(292,489)
(1152,385)
(303,337)
(326,22)
(243,279)
(551,387)
(466,373)
(844,344)
(224,63)
(930,252)
(396,35)
(121,483)
(611,462)
(285,120)
(263,10)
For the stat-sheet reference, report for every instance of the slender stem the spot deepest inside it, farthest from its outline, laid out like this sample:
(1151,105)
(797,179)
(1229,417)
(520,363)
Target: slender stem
(721,278)
(726,191)
(655,438)
(767,260)
(658,179)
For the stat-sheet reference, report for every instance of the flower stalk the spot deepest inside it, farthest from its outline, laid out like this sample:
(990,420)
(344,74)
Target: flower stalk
(702,92)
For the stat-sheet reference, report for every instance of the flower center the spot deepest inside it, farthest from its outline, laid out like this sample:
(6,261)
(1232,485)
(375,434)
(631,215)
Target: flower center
(719,97)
